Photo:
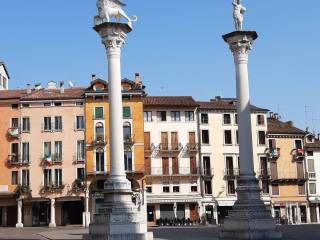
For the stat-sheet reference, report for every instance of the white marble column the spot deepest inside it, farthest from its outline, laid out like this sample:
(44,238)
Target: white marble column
(175,209)
(298,214)
(215,213)
(318,213)
(308,213)
(52,223)
(249,209)
(19,214)
(272,210)
(86,213)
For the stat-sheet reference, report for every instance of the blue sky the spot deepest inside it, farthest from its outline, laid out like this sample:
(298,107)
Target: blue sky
(177,48)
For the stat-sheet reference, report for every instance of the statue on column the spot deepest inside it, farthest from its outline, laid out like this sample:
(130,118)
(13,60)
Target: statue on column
(238,12)
(108,9)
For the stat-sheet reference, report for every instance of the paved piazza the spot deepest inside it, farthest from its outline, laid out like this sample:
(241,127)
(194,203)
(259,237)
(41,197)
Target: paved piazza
(302,232)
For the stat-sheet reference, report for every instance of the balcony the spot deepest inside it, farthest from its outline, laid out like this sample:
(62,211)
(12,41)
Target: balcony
(23,189)
(264,173)
(14,132)
(298,154)
(231,173)
(52,188)
(273,153)
(15,160)
(79,186)
(207,172)
(128,140)
(288,177)
(48,160)
(148,149)
(174,172)
(193,148)
(99,141)
(170,150)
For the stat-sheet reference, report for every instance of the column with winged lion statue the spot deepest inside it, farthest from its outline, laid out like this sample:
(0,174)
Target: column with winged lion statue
(120,217)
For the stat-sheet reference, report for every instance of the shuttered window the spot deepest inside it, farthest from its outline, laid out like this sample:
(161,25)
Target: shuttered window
(126,112)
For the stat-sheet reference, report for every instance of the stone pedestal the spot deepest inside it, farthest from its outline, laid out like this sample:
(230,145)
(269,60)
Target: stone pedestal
(118,218)
(249,218)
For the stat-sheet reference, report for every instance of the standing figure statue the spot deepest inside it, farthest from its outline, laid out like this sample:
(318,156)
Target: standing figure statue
(113,8)
(238,11)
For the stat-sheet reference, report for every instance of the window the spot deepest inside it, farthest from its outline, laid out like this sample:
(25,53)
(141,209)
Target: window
(298,144)
(25,105)
(262,138)
(205,136)
(15,152)
(162,116)
(165,189)
(175,116)
(128,160)
(47,150)
(204,118)
(25,152)
(260,120)
(301,189)
(231,187)
(80,150)
(14,177)
(265,186)
(81,174)
(5,83)
(25,124)
(79,123)
(79,103)
(149,189)
(25,178)
(57,151)
(237,137)
(227,137)
(176,189)
(206,166)
(126,112)
(236,118)
(127,131)
(98,113)
(272,143)
(14,106)
(47,177)
(226,119)
(14,122)
(58,177)
(57,104)
(47,104)
(194,188)
(98,98)
(310,153)
(275,190)
(99,132)
(312,188)
(58,123)
(147,116)
(311,167)
(100,160)
(207,187)
(47,124)
(189,115)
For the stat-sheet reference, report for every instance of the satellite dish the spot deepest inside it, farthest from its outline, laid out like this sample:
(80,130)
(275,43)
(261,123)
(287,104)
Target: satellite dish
(71,84)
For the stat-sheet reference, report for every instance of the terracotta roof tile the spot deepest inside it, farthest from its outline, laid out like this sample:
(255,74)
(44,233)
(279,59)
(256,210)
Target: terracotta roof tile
(276,126)
(225,104)
(315,144)
(12,94)
(169,101)
(48,94)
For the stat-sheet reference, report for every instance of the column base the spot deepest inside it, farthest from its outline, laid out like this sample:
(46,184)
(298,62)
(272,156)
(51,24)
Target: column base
(19,225)
(85,219)
(119,218)
(52,225)
(249,218)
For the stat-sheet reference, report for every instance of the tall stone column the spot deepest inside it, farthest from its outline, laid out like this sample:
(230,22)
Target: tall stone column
(249,218)
(52,223)
(86,213)
(119,217)
(19,214)
(318,213)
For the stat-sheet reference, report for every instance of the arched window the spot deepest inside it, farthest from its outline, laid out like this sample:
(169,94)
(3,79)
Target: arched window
(99,131)
(127,131)
(100,166)
(128,160)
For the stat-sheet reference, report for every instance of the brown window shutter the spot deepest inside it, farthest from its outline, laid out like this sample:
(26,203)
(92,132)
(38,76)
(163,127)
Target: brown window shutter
(165,166)
(164,140)
(174,140)
(175,165)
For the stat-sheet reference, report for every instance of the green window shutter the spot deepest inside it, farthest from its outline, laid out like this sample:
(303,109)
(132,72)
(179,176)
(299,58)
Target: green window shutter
(99,112)
(126,112)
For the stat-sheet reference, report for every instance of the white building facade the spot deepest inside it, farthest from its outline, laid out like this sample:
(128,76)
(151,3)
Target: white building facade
(218,131)
(172,159)
(4,77)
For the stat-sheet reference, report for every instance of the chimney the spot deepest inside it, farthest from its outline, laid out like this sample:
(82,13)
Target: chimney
(290,123)
(93,77)
(62,87)
(29,88)
(137,80)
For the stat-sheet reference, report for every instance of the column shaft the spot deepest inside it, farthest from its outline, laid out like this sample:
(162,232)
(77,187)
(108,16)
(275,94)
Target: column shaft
(52,214)
(19,214)
(318,213)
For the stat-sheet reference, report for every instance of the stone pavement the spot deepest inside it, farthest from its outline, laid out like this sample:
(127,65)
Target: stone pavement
(302,232)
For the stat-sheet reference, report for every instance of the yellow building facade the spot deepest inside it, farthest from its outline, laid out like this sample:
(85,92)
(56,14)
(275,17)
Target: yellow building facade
(97,135)
(287,172)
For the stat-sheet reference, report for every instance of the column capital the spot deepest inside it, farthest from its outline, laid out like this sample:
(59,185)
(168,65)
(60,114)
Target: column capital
(240,42)
(113,35)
